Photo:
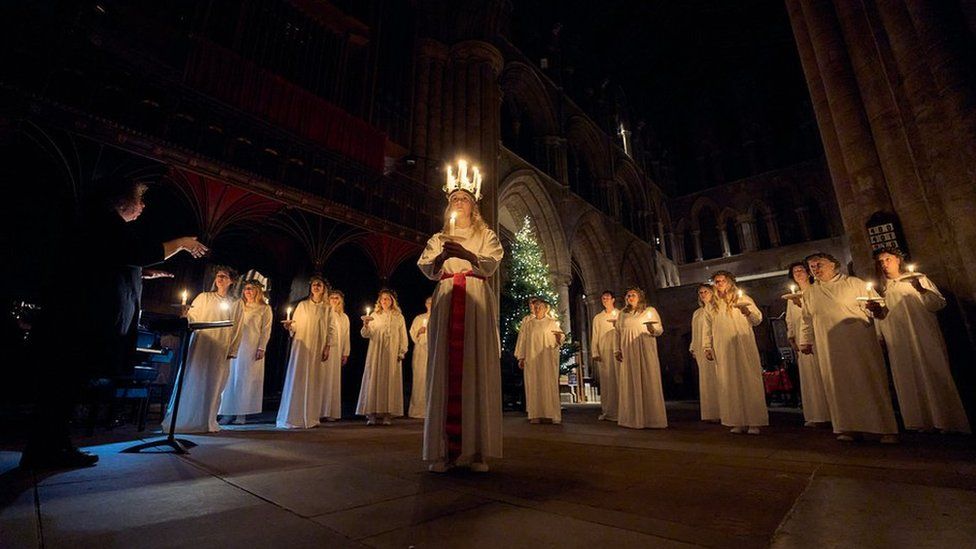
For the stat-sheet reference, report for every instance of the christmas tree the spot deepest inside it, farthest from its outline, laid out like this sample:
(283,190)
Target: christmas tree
(528,277)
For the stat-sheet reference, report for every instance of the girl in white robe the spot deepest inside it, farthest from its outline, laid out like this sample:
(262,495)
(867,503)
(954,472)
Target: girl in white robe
(731,343)
(848,352)
(537,351)
(603,337)
(418,391)
(313,335)
(244,392)
(381,393)
(331,380)
(812,393)
(927,395)
(207,364)
(708,400)
(466,264)
(641,394)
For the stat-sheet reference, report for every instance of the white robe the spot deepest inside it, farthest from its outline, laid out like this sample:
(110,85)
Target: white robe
(537,346)
(206,366)
(641,393)
(330,382)
(418,391)
(849,355)
(381,392)
(728,333)
(481,401)
(927,395)
(301,395)
(244,392)
(812,392)
(603,337)
(708,400)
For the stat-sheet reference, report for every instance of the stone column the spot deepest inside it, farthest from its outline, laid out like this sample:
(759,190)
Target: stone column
(428,91)
(726,249)
(552,152)
(696,235)
(804,220)
(562,282)
(747,236)
(772,229)
(675,253)
(660,236)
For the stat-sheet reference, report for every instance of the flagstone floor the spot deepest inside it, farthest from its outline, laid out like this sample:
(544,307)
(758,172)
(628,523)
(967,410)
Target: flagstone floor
(580,484)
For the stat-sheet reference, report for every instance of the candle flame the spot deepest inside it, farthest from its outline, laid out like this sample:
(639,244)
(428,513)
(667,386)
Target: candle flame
(792,288)
(911,267)
(869,286)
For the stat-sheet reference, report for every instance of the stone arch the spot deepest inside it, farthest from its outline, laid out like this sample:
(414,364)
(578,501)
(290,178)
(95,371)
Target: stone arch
(523,194)
(763,222)
(592,249)
(637,267)
(522,85)
(704,219)
(638,211)
(588,157)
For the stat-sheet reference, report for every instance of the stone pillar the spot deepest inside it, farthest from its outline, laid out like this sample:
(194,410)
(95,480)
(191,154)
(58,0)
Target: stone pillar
(804,220)
(660,236)
(552,152)
(696,235)
(428,93)
(726,249)
(562,282)
(772,229)
(675,253)
(747,237)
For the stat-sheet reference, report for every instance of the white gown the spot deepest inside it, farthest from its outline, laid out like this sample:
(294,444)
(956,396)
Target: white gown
(536,344)
(728,332)
(481,400)
(418,391)
(641,393)
(244,392)
(330,382)
(382,389)
(207,366)
(603,337)
(927,395)
(301,395)
(708,400)
(812,391)
(849,355)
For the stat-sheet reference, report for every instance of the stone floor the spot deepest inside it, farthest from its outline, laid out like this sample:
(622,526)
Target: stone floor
(580,484)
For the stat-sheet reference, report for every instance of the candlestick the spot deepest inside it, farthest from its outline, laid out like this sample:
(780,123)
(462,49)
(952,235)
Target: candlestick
(183,297)
(451,224)
(288,313)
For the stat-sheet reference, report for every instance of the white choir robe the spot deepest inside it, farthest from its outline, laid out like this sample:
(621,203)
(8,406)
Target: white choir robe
(728,333)
(301,395)
(206,366)
(641,394)
(418,391)
(538,347)
(481,399)
(927,395)
(244,392)
(708,400)
(381,392)
(603,337)
(851,364)
(330,383)
(812,392)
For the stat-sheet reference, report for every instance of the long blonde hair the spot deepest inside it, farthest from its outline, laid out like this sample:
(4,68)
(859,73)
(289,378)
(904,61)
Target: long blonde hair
(731,297)
(259,297)
(342,299)
(641,300)
(477,222)
(710,289)
(378,309)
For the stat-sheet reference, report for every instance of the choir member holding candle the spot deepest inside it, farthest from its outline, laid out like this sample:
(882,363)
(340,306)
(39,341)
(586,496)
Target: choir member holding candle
(603,336)
(418,391)
(927,395)
(330,383)
(847,348)
(812,394)
(244,392)
(313,336)
(207,364)
(464,419)
(381,393)
(708,400)
(731,343)
(641,394)
(537,351)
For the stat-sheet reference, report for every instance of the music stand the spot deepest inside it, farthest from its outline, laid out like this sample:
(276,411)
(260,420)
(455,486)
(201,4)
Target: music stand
(185,328)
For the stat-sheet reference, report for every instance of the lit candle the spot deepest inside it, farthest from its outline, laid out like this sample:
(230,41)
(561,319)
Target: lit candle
(288,313)
(869,286)
(911,267)
(613,314)
(224,306)
(183,297)
(425,323)
(740,294)
(450,226)
(792,288)
(367,311)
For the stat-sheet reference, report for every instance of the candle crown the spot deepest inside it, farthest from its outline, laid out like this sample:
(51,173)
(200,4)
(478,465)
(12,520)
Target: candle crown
(461,180)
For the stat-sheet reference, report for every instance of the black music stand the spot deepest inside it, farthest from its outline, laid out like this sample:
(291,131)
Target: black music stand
(184,328)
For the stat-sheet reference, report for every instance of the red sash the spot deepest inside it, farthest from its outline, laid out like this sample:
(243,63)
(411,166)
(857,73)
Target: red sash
(455,361)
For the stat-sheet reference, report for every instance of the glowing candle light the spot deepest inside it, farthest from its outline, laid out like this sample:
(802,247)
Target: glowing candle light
(911,268)
(450,227)
(869,286)
(224,306)
(183,297)
(740,294)
(288,313)
(792,288)
(425,323)
(368,310)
